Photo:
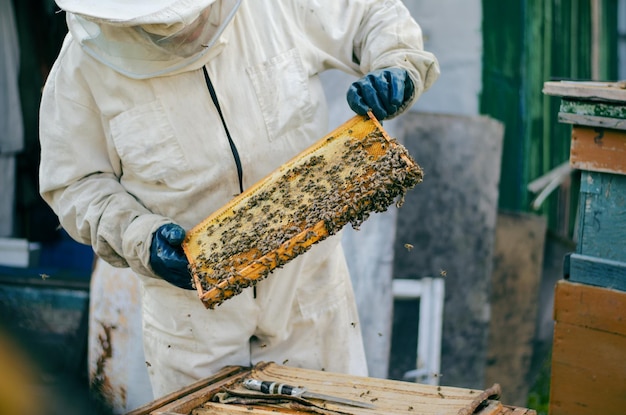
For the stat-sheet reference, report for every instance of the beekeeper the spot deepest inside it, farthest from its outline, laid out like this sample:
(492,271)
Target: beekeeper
(158,112)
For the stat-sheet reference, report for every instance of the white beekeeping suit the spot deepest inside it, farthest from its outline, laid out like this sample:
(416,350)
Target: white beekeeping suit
(158,113)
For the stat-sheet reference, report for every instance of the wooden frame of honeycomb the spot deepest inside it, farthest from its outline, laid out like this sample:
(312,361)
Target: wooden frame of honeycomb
(342,178)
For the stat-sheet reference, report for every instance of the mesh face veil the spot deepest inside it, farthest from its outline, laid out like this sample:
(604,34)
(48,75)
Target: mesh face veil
(183,40)
(153,48)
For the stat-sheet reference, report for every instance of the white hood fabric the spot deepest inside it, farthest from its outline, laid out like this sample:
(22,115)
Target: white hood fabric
(122,156)
(136,12)
(142,46)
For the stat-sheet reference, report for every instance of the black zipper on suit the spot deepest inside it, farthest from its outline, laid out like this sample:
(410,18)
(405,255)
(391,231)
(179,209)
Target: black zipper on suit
(233,147)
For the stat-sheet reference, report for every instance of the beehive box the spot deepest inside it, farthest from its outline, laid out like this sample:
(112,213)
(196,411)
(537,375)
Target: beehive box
(589,355)
(344,177)
(220,394)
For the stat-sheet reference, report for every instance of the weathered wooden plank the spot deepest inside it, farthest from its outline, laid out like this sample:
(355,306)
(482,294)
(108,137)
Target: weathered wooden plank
(598,109)
(388,396)
(602,91)
(508,410)
(588,371)
(597,271)
(592,121)
(602,215)
(211,382)
(587,306)
(589,353)
(593,113)
(598,149)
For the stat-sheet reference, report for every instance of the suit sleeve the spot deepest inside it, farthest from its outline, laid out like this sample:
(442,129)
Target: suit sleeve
(79,177)
(359,36)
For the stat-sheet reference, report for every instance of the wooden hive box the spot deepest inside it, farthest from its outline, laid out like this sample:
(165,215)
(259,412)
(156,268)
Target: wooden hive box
(589,348)
(387,396)
(589,352)
(348,174)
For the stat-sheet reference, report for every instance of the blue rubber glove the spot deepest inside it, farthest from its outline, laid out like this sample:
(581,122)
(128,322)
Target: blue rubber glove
(384,91)
(167,258)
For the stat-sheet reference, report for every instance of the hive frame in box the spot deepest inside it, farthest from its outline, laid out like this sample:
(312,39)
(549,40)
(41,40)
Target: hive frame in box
(217,280)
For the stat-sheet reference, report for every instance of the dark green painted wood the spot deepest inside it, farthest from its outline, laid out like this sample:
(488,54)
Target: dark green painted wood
(526,43)
(609,61)
(503,41)
(600,272)
(599,109)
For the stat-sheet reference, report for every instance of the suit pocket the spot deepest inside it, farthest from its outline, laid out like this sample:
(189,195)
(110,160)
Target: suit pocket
(147,146)
(282,90)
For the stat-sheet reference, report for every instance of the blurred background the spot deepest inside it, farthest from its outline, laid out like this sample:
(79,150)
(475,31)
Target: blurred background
(492,221)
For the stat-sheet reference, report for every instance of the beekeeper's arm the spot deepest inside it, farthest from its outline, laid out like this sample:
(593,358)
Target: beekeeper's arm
(79,179)
(377,39)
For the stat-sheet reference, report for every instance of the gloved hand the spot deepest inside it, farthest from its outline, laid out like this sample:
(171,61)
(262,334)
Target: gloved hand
(384,91)
(167,258)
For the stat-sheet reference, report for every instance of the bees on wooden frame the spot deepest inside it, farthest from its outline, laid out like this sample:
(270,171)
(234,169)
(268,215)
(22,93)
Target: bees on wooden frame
(340,182)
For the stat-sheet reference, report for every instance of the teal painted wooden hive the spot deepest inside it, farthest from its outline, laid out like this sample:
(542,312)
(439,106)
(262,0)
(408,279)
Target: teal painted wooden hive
(597,112)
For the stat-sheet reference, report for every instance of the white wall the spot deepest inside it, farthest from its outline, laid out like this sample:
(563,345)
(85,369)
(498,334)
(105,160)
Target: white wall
(452,31)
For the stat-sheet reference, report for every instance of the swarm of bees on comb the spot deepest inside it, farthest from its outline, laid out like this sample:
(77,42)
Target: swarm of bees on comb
(343,178)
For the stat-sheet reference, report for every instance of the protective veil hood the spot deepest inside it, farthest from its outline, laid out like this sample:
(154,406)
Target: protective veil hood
(143,39)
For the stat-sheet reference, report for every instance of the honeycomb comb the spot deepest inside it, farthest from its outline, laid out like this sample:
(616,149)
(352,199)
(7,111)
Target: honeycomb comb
(342,178)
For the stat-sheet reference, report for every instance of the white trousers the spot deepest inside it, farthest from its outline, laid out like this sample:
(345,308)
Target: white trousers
(303,315)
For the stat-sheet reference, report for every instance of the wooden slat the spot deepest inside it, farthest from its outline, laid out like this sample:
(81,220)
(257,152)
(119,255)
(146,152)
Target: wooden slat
(599,109)
(157,404)
(593,113)
(592,121)
(589,351)
(587,306)
(389,396)
(588,371)
(603,91)
(597,271)
(508,410)
(598,149)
